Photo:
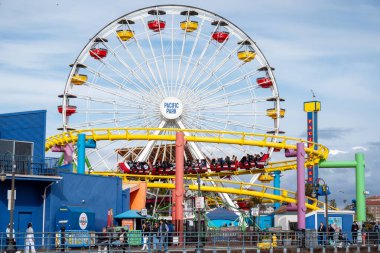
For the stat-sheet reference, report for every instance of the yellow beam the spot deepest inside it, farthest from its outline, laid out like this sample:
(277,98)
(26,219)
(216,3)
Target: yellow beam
(236,191)
(240,138)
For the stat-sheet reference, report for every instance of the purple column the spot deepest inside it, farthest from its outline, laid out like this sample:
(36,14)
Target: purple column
(67,150)
(301,207)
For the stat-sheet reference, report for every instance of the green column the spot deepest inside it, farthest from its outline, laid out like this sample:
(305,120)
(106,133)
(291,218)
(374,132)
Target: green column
(360,184)
(359,166)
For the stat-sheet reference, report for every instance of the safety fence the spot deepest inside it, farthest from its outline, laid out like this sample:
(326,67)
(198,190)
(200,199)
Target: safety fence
(211,241)
(28,165)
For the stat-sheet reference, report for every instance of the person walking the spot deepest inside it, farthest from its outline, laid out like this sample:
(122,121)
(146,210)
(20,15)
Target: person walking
(163,235)
(145,233)
(155,235)
(376,230)
(321,231)
(331,232)
(10,241)
(29,241)
(354,232)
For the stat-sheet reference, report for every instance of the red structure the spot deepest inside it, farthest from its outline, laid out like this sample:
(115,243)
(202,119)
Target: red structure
(177,215)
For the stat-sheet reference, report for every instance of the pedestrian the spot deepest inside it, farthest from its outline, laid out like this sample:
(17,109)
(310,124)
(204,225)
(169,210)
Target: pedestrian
(376,231)
(145,233)
(321,231)
(63,237)
(155,235)
(331,232)
(103,241)
(10,241)
(163,235)
(29,241)
(354,232)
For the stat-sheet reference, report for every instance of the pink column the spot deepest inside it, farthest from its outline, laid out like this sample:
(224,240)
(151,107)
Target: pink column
(301,207)
(179,185)
(67,150)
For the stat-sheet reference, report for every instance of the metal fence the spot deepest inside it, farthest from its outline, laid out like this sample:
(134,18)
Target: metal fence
(28,165)
(211,241)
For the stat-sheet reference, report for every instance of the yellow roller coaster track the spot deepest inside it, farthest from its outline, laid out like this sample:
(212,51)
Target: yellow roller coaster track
(316,153)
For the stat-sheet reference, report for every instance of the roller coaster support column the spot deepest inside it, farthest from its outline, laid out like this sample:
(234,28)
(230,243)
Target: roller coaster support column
(359,166)
(276,184)
(179,185)
(301,207)
(82,144)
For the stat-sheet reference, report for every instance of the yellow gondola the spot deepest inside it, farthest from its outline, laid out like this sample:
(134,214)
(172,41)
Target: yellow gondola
(78,79)
(189,26)
(246,56)
(125,35)
(265,178)
(273,113)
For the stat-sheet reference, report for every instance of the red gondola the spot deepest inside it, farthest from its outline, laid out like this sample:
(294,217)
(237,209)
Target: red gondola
(70,109)
(98,53)
(156,25)
(220,36)
(264,82)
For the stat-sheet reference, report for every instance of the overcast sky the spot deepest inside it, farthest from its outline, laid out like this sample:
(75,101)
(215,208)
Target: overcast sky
(330,47)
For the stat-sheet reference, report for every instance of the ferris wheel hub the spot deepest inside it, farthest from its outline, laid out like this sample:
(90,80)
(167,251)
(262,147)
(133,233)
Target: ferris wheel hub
(171,108)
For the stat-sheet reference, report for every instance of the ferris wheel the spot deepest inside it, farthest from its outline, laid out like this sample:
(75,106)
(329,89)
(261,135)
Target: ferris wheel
(170,66)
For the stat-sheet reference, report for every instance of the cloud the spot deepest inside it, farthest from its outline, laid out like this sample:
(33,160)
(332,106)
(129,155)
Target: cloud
(336,152)
(359,148)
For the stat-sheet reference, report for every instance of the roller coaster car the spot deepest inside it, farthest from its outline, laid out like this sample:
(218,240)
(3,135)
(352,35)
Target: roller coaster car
(123,167)
(263,161)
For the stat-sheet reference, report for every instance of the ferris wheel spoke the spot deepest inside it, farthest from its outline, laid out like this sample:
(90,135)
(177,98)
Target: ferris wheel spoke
(200,58)
(214,70)
(191,55)
(233,95)
(181,55)
(164,57)
(128,97)
(219,78)
(129,92)
(154,56)
(144,73)
(231,83)
(130,69)
(115,103)
(105,121)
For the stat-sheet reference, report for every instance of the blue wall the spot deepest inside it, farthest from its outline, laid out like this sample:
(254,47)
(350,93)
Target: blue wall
(347,220)
(28,205)
(99,194)
(26,126)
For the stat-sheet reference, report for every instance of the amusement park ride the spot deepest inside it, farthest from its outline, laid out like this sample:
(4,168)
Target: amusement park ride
(174,82)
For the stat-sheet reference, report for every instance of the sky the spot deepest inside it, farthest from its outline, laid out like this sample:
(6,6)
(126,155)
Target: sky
(330,47)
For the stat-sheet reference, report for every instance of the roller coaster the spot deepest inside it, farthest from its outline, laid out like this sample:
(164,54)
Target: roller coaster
(316,153)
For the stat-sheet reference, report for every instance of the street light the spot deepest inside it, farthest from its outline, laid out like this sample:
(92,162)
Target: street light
(199,246)
(325,190)
(10,247)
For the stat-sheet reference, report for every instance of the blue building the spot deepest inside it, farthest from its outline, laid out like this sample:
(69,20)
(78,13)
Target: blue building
(41,187)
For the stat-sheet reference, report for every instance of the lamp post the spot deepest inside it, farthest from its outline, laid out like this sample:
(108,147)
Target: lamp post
(199,246)
(325,190)
(10,247)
